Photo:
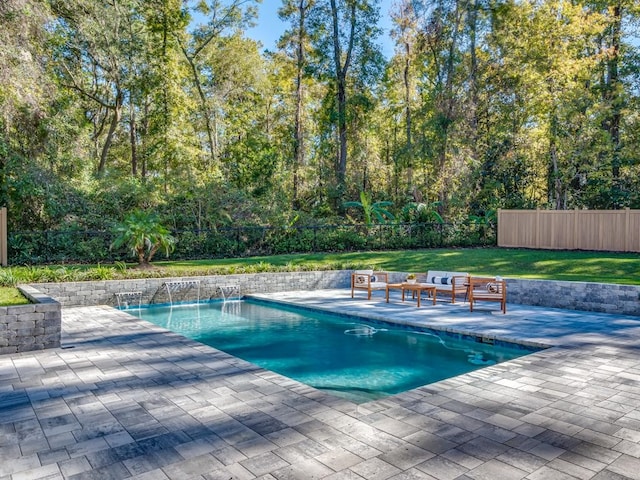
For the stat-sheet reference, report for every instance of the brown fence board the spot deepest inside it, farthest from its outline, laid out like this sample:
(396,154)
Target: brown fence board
(608,230)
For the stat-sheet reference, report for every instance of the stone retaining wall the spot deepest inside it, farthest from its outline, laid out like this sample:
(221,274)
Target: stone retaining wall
(591,297)
(35,326)
(595,297)
(156,290)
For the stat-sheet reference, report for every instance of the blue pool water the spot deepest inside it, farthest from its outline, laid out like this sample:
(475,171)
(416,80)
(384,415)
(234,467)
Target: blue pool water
(349,357)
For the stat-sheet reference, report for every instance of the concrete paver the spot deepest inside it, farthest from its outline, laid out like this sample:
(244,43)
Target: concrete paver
(125,399)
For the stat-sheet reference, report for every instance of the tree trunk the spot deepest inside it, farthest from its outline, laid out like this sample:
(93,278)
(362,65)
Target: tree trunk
(447,109)
(613,93)
(298,144)
(407,105)
(206,112)
(342,133)
(133,138)
(115,120)
(145,131)
(555,178)
(341,90)
(473,80)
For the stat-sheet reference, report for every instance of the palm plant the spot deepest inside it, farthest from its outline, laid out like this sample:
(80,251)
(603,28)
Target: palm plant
(143,234)
(371,209)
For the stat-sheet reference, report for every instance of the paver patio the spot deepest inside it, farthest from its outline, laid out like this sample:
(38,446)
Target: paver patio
(126,399)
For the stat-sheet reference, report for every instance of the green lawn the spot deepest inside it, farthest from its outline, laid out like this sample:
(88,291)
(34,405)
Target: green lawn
(601,267)
(11,296)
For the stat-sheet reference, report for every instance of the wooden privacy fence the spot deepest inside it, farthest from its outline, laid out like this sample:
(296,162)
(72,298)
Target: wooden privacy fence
(610,230)
(3,236)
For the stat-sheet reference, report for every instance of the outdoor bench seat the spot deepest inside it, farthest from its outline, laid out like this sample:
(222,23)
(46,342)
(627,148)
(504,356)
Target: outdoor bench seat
(450,283)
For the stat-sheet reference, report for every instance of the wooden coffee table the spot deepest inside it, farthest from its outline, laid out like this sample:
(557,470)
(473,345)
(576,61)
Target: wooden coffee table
(415,288)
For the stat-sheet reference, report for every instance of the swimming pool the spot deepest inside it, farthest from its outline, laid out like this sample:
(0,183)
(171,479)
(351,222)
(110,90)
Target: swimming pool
(347,356)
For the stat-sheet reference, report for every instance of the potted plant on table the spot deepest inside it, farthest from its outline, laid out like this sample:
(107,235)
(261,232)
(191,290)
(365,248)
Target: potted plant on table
(411,278)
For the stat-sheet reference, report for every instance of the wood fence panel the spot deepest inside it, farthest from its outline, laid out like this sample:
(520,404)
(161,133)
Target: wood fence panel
(519,227)
(554,233)
(3,236)
(632,234)
(609,230)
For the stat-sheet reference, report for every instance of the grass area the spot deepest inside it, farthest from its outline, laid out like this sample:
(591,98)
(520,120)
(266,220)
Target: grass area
(600,267)
(11,296)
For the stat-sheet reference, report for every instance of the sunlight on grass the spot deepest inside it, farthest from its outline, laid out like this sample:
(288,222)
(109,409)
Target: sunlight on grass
(602,267)
(11,296)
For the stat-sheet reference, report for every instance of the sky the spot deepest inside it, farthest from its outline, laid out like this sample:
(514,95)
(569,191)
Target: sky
(269,27)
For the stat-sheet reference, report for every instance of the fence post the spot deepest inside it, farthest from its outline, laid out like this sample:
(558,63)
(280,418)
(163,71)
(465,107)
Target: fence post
(499,240)
(576,222)
(3,236)
(627,229)
(537,228)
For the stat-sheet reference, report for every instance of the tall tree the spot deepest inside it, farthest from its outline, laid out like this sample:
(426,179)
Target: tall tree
(346,31)
(92,58)
(164,102)
(443,84)
(405,32)
(616,76)
(26,93)
(297,40)
(222,18)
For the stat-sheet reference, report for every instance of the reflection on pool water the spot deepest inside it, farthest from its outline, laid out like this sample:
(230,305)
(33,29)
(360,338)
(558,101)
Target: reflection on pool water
(357,359)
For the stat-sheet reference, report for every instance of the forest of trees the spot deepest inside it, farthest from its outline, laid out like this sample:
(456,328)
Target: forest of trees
(111,105)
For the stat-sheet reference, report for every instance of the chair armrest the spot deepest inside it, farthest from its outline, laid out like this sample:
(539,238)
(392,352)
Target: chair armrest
(459,280)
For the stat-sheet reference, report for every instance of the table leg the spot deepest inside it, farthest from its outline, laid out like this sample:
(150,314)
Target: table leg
(419,295)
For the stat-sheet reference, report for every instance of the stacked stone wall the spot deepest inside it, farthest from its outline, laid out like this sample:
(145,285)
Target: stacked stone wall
(35,326)
(590,297)
(155,290)
(594,297)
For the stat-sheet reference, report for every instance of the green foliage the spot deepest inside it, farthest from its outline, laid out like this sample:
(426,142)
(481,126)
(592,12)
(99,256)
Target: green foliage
(371,209)
(418,212)
(11,296)
(8,278)
(143,234)
(109,107)
(486,225)
(341,240)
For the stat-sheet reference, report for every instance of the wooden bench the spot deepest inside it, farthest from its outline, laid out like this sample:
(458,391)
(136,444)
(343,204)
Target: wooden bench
(487,289)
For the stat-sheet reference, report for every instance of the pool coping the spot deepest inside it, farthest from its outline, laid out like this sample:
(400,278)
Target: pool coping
(457,333)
